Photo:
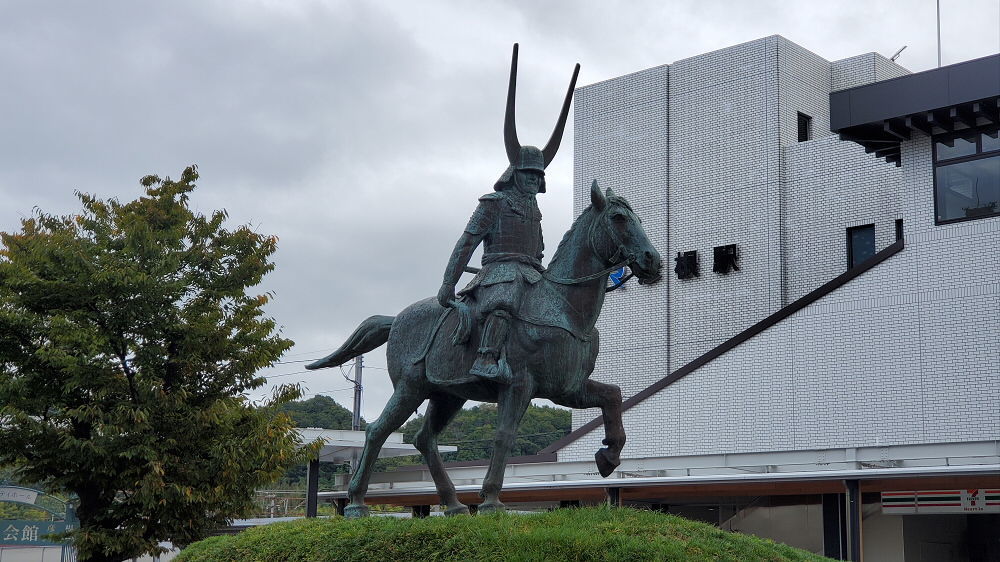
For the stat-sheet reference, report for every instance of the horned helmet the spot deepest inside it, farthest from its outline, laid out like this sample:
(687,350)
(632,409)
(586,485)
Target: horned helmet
(530,157)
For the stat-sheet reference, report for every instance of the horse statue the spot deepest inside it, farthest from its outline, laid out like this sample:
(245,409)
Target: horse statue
(551,350)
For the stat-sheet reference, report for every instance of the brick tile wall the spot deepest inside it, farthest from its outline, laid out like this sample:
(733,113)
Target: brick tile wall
(707,152)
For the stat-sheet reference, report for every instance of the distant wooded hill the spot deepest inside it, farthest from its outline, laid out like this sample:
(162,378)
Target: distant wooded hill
(472,431)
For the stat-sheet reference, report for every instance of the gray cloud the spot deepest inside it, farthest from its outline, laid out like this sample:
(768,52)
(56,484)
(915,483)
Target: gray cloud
(362,133)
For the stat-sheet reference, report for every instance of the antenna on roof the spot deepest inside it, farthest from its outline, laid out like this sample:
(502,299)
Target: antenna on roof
(896,56)
(939,31)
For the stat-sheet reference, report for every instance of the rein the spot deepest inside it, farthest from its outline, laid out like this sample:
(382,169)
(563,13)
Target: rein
(621,258)
(592,276)
(621,251)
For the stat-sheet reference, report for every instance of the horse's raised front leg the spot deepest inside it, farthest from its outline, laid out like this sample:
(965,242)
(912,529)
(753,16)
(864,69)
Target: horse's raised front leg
(440,411)
(401,405)
(608,398)
(512,402)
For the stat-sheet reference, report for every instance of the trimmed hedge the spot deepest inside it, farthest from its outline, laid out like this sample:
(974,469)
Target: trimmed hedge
(567,534)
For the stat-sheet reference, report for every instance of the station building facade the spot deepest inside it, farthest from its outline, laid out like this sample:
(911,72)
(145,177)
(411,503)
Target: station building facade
(821,363)
(858,327)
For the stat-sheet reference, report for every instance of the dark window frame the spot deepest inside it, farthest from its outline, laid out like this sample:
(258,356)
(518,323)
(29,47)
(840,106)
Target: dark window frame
(800,119)
(978,155)
(850,246)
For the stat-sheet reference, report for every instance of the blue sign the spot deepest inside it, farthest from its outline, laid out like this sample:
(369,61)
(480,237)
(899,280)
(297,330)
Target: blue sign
(18,532)
(617,276)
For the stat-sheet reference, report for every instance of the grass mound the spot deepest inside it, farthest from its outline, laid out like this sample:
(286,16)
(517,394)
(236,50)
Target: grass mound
(565,534)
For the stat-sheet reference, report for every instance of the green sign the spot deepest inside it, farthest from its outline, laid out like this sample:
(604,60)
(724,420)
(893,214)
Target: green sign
(19,532)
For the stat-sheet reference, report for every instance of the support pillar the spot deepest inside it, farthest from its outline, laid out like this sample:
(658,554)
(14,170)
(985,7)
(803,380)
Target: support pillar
(420,511)
(834,527)
(341,505)
(853,520)
(312,487)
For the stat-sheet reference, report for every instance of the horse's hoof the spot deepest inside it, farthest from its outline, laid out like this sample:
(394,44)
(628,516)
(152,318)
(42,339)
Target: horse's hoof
(356,511)
(606,464)
(457,510)
(491,507)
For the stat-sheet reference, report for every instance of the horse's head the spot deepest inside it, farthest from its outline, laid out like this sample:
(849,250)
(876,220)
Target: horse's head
(617,236)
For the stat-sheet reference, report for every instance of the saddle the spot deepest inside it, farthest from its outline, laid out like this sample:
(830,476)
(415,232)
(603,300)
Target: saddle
(543,305)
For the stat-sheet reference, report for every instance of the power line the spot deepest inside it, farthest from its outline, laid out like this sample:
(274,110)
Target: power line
(311,360)
(318,392)
(307,371)
(296,354)
(285,374)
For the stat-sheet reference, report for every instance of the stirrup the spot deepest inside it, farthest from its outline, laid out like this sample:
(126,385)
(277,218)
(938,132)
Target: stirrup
(491,361)
(501,373)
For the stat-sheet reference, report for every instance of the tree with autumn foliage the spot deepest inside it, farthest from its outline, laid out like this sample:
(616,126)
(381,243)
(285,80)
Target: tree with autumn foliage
(128,341)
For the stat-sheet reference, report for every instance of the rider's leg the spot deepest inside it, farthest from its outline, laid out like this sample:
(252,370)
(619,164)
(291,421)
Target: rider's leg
(488,362)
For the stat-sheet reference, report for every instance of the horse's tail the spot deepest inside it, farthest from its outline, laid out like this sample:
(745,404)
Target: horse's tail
(372,333)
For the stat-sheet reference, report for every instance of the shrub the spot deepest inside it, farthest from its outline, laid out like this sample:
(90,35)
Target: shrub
(565,534)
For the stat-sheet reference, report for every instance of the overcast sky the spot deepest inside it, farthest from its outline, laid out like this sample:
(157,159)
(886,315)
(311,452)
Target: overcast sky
(361,133)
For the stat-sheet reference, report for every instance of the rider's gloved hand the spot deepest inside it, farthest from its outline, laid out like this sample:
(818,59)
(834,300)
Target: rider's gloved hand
(446,295)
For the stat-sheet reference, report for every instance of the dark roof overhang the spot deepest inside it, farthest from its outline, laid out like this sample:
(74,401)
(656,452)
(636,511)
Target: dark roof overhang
(879,116)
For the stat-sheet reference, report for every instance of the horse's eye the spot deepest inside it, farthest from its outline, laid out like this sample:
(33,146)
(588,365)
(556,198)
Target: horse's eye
(619,219)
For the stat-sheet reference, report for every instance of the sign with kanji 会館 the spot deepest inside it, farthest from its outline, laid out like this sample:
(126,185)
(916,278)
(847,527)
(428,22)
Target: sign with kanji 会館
(941,501)
(32,533)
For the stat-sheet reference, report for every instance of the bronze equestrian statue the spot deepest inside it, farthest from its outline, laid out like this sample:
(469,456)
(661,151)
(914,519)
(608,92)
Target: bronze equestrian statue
(537,337)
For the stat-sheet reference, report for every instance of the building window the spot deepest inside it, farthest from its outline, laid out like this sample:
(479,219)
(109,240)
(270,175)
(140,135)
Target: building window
(860,244)
(805,127)
(966,175)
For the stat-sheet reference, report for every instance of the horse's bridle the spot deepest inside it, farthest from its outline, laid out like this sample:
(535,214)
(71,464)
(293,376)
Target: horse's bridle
(621,257)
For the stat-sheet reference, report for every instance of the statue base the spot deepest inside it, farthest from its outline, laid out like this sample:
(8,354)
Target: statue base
(496,507)
(355,511)
(460,510)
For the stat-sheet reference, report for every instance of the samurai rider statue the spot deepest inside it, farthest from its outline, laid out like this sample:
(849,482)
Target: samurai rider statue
(509,223)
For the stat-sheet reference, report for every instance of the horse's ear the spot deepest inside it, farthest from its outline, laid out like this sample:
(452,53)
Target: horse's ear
(609,194)
(597,199)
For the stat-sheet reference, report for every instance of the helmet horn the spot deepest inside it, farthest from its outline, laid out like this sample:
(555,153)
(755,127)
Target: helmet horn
(509,128)
(549,152)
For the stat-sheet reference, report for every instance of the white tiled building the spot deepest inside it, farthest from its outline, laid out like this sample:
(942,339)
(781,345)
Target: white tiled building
(896,367)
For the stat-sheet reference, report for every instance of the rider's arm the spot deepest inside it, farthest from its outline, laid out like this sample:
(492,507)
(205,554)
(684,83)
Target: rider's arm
(477,229)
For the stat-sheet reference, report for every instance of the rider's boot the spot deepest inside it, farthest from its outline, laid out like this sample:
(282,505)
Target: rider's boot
(489,365)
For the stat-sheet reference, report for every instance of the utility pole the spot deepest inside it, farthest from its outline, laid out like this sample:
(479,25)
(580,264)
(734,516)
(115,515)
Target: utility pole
(356,423)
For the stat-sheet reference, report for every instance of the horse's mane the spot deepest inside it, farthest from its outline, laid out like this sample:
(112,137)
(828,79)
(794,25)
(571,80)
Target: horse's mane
(613,200)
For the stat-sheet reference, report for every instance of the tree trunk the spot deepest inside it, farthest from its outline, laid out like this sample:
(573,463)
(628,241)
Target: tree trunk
(92,504)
